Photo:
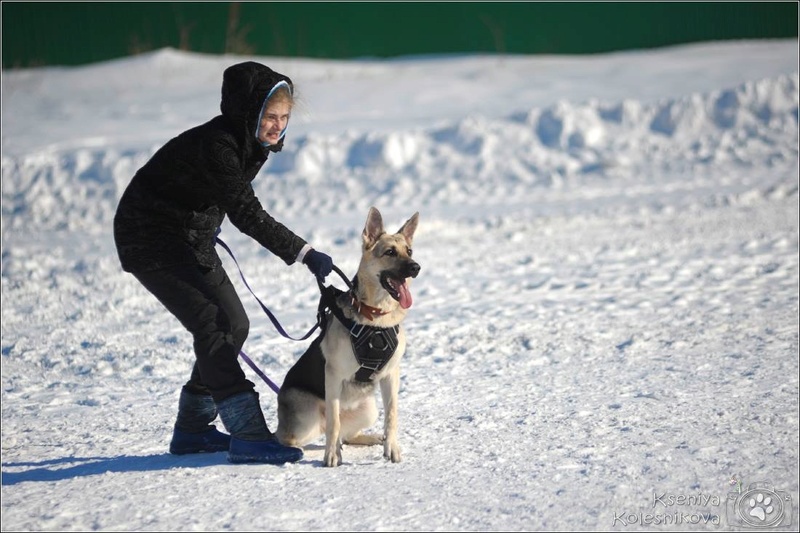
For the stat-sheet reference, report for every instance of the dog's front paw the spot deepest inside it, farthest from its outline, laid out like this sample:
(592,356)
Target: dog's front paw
(391,450)
(333,455)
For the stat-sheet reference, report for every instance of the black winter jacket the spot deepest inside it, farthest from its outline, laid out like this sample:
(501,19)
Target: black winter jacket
(172,207)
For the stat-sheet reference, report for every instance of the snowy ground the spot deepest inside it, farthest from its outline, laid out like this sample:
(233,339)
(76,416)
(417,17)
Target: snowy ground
(604,331)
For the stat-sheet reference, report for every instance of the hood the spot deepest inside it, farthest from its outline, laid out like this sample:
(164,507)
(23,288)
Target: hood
(245,87)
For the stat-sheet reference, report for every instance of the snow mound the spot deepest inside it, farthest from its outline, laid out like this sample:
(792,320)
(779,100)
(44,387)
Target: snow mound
(475,158)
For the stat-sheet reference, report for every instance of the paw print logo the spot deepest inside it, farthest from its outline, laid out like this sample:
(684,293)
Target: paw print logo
(760,507)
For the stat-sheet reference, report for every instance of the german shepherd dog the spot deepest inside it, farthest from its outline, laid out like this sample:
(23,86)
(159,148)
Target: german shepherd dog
(331,388)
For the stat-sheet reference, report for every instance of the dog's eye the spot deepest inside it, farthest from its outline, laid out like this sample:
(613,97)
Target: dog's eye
(410,252)
(391,252)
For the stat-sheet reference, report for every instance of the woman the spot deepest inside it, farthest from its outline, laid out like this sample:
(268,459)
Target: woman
(164,231)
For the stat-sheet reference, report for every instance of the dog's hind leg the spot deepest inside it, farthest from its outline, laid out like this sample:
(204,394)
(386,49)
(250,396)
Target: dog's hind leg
(301,417)
(364,440)
(355,420)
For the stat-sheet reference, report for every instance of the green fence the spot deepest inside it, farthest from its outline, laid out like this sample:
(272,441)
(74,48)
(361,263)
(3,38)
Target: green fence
(72,33)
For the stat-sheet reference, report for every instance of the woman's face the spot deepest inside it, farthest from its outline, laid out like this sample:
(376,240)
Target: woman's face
(273,122)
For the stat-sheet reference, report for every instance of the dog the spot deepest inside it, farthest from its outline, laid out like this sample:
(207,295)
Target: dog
(331,388)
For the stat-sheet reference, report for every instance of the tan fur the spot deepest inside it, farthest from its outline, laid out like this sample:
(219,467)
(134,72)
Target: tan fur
(349,406)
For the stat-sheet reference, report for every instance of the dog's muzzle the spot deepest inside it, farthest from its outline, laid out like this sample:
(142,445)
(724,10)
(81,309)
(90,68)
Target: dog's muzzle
(410,269)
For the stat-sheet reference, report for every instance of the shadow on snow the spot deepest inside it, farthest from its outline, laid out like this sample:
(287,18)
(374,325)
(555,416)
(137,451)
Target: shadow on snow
(91,466)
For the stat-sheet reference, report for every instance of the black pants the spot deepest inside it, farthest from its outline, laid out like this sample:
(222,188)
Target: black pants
(207,305)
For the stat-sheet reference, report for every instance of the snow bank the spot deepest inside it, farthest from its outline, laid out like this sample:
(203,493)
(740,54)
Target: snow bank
(475,159)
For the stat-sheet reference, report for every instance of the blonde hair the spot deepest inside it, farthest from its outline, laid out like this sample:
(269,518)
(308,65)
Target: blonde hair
(282,95)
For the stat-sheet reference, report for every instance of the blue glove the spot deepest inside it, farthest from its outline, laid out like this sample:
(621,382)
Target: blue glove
(318,263)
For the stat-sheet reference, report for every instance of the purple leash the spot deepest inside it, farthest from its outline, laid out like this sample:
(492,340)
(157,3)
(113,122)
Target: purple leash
(258,371)
(264,307)
(274,320)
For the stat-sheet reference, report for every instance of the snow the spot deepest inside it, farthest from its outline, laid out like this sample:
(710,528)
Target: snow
(604,332)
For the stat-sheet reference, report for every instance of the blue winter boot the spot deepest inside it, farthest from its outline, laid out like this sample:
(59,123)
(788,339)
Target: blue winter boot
(193,432)
(251,440)
(210,440)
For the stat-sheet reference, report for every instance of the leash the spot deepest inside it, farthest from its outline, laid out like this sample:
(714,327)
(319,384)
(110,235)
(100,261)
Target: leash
(258,371)
(266,310)
(327,296)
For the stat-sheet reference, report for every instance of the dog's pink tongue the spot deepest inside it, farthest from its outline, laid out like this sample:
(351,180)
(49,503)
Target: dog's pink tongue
(405,296)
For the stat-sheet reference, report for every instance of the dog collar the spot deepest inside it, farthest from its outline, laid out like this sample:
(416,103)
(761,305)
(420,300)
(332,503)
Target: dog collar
(367,311)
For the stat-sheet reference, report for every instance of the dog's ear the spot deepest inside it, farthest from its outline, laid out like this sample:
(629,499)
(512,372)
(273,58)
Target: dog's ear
(410,227)
(373,229)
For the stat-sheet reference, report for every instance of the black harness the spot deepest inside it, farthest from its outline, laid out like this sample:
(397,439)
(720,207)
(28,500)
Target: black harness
(372,346)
